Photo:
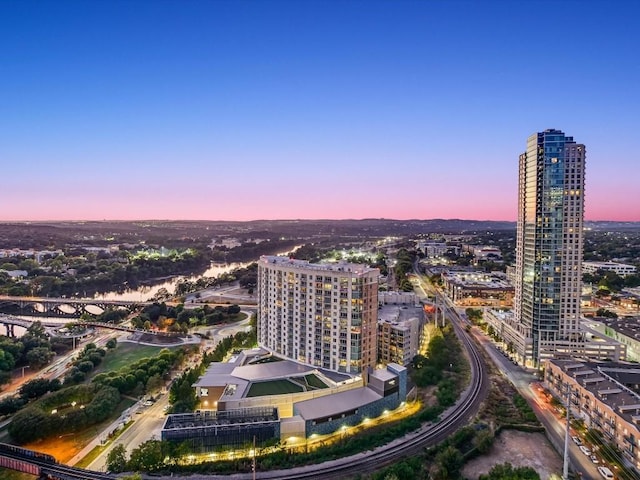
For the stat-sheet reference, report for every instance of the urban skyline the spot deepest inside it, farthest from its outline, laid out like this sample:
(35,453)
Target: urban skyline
(282,109)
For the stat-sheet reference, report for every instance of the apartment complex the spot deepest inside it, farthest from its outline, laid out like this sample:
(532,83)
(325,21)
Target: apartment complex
(400,333)
(605,396)
(549,246)
(323,315)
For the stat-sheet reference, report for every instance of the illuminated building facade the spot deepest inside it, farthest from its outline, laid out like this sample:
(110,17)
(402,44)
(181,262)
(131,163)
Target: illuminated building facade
(323,315)
(549,243)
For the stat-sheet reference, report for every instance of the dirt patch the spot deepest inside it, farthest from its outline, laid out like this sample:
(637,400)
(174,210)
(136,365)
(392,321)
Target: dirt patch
(520,449)
(63,448)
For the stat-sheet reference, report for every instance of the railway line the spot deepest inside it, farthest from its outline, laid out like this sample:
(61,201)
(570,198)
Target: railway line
(411,444)
(366,462)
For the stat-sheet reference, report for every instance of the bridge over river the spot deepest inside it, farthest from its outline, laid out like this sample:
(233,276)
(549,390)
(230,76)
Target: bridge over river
(61,307)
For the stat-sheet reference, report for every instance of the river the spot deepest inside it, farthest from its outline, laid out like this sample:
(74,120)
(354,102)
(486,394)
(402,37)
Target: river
(145,292)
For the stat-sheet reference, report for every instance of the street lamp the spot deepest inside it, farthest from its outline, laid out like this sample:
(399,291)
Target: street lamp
(565,465)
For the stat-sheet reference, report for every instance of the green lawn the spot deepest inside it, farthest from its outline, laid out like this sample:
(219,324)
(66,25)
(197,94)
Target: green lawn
(274,387)
(314,381)
(125,354)
(7,474)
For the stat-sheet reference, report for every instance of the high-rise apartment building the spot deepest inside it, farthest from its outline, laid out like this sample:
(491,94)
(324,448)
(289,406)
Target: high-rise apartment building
(321,315)
(549,247)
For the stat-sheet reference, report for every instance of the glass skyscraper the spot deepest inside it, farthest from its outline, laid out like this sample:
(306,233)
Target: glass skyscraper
(549,246)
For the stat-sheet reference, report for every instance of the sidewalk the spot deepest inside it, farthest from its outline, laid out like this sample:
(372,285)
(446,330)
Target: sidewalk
(97,441)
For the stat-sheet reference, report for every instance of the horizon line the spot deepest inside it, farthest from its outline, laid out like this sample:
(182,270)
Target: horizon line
(283,220)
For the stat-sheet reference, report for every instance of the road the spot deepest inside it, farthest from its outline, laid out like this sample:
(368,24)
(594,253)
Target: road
(524,382)
(148,421)
(147,424)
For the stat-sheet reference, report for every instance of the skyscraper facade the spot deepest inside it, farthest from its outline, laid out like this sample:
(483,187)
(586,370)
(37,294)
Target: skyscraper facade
(549,246)
(321,315)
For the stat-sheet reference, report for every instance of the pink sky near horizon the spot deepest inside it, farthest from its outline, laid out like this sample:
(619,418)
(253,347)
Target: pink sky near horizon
(434,201)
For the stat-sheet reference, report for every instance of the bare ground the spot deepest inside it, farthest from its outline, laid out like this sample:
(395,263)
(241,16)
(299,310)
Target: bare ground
(520,449)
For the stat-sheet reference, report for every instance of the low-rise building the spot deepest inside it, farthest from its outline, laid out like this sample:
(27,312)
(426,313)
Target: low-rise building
(605,396)
(397,298)
(621,269)
(624,330)
(256,378)
(485,253)
(399,333)
(15,273)
(207,431)
(272,398)
(431,248)
(588,343)
(478,288)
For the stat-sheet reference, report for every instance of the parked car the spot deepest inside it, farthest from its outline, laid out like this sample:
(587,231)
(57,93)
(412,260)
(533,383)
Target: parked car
(576,440)
(585,450)
(594,459)
(606,473)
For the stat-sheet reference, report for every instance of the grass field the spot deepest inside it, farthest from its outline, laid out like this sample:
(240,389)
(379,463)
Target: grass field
(125,354)
(274,387)
(314,381)
(6,474)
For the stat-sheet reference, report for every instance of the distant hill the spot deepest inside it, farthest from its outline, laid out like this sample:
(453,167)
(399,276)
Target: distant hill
(191,233)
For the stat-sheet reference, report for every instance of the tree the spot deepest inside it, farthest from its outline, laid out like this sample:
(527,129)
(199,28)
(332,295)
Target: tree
(506,471)
(111,343)
(483,440)
(38,387)
(117,459)
(448,463)
(39,357)
(154,383)
(7,361)
(603,312)
(9,405)
(85,366)
(148,457)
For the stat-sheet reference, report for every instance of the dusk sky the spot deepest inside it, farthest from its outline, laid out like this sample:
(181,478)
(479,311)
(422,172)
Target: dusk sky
(240,110)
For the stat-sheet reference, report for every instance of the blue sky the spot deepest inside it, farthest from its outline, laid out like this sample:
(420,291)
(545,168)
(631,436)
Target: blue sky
(299,109)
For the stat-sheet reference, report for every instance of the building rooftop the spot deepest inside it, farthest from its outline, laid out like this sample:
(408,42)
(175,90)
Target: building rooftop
(399,314)
(384,374)
(495,280)
(629,327)
(335,405)
(213,418)
(237,375)
(324,267)
(607,381)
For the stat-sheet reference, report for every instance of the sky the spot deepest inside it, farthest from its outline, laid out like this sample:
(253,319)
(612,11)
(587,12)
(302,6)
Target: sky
(265,109)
